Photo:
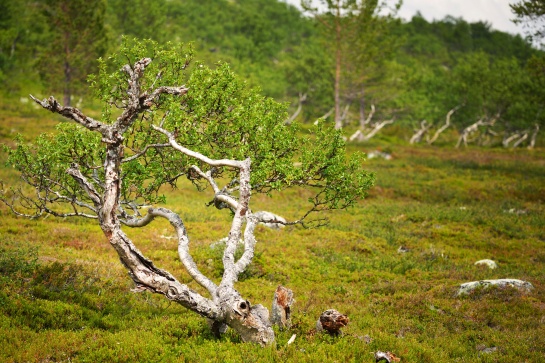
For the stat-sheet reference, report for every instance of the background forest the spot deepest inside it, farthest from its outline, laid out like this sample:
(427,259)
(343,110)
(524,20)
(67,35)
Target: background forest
(412,72)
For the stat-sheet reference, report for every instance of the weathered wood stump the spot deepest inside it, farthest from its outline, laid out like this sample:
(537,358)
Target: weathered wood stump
(281,307)
(331,321)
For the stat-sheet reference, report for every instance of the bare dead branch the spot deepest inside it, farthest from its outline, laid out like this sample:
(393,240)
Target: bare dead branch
(85,184)
(532,142)
(71,113)
(196,155)
(445,126)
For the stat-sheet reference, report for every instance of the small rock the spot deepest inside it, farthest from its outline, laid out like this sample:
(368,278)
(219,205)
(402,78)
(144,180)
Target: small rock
(467,287)
(518,212)
(483,349)
(399,218)
(378,154)
(491,264)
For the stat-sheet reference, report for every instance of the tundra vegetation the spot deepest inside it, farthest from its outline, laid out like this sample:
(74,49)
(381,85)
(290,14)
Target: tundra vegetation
(64,294)
(393,263)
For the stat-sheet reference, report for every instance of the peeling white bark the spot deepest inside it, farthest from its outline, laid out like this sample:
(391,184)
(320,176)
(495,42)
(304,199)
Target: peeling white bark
(272,220)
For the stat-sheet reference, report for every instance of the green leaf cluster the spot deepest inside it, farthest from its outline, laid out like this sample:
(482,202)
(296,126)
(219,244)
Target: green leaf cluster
(43,164)
(220,117)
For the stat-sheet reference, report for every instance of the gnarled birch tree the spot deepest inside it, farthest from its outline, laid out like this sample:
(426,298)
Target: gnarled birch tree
(162,121)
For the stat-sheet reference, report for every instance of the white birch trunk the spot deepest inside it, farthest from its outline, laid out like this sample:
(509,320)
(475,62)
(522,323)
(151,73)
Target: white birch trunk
(225,305)
(360,136)
(532,143)
(464,136)
(419,134)
(445,126)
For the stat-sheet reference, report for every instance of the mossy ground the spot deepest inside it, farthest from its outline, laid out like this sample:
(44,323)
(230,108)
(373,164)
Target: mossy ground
(64,296)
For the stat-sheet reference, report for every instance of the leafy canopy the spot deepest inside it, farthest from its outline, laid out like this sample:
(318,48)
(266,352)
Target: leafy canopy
(219,117)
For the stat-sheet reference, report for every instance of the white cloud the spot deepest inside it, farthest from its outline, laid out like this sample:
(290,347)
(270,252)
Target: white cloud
(495,12)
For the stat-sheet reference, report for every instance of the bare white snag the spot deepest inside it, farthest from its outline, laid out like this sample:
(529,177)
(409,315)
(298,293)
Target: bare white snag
(521,140)
(376,127)
(225,305)
(324,116)
(327,114)
(344,114)
(369,129)
(366,121)
(419,133)
(532,143)
(471,129)
(445,126)
(518,137)
(508,139)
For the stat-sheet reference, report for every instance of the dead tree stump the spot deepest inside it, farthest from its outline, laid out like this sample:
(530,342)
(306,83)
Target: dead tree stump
(331,321)
(281,307)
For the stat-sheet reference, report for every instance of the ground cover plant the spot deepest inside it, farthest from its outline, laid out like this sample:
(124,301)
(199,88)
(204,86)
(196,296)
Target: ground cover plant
(65,297)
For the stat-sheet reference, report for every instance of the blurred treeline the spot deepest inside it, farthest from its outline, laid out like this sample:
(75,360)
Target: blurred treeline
(408,70)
